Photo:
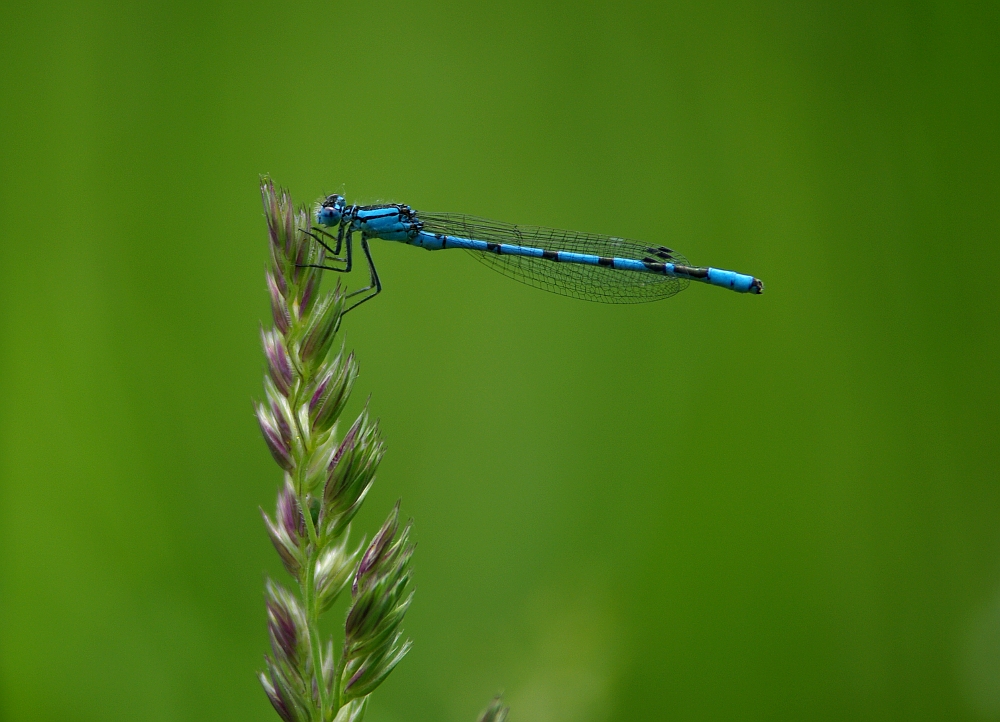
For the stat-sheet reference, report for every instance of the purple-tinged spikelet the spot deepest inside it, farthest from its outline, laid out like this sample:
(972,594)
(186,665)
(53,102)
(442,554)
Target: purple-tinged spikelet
(278,700)
(330,394)
(279,365)
(288,529)
(373,641)
(279,309)
(374,552)
(309,291)
(286,624)
(288,702)
(321,326)
(274,439)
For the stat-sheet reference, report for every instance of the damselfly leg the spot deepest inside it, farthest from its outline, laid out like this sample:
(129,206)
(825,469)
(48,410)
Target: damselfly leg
(375,286)
(316,234)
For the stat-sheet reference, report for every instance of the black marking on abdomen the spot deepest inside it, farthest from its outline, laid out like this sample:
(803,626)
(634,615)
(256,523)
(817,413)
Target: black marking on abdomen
(550,255)
(444,240)
(602,261)
(493,247)
(692,271)
(654,266)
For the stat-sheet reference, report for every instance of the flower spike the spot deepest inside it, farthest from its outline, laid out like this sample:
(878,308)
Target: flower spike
(326,478)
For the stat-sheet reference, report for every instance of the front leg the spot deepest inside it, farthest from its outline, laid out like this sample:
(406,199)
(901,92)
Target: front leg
(340,241)
(316,232)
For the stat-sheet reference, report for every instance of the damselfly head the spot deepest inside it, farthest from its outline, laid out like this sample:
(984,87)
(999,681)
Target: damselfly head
(330,210)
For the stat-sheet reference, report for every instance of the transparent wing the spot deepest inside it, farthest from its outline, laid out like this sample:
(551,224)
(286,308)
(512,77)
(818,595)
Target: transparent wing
(592,283)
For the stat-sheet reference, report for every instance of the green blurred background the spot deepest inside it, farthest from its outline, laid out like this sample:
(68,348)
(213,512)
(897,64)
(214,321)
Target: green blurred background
(716,507)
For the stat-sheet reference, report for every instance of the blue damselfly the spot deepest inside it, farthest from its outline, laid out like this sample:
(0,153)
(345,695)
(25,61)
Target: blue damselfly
(581,265)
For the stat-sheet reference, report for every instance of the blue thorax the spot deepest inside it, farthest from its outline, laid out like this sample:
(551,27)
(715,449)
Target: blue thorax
(390,221)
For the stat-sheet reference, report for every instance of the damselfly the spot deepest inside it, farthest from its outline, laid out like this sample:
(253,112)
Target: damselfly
(580,265)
